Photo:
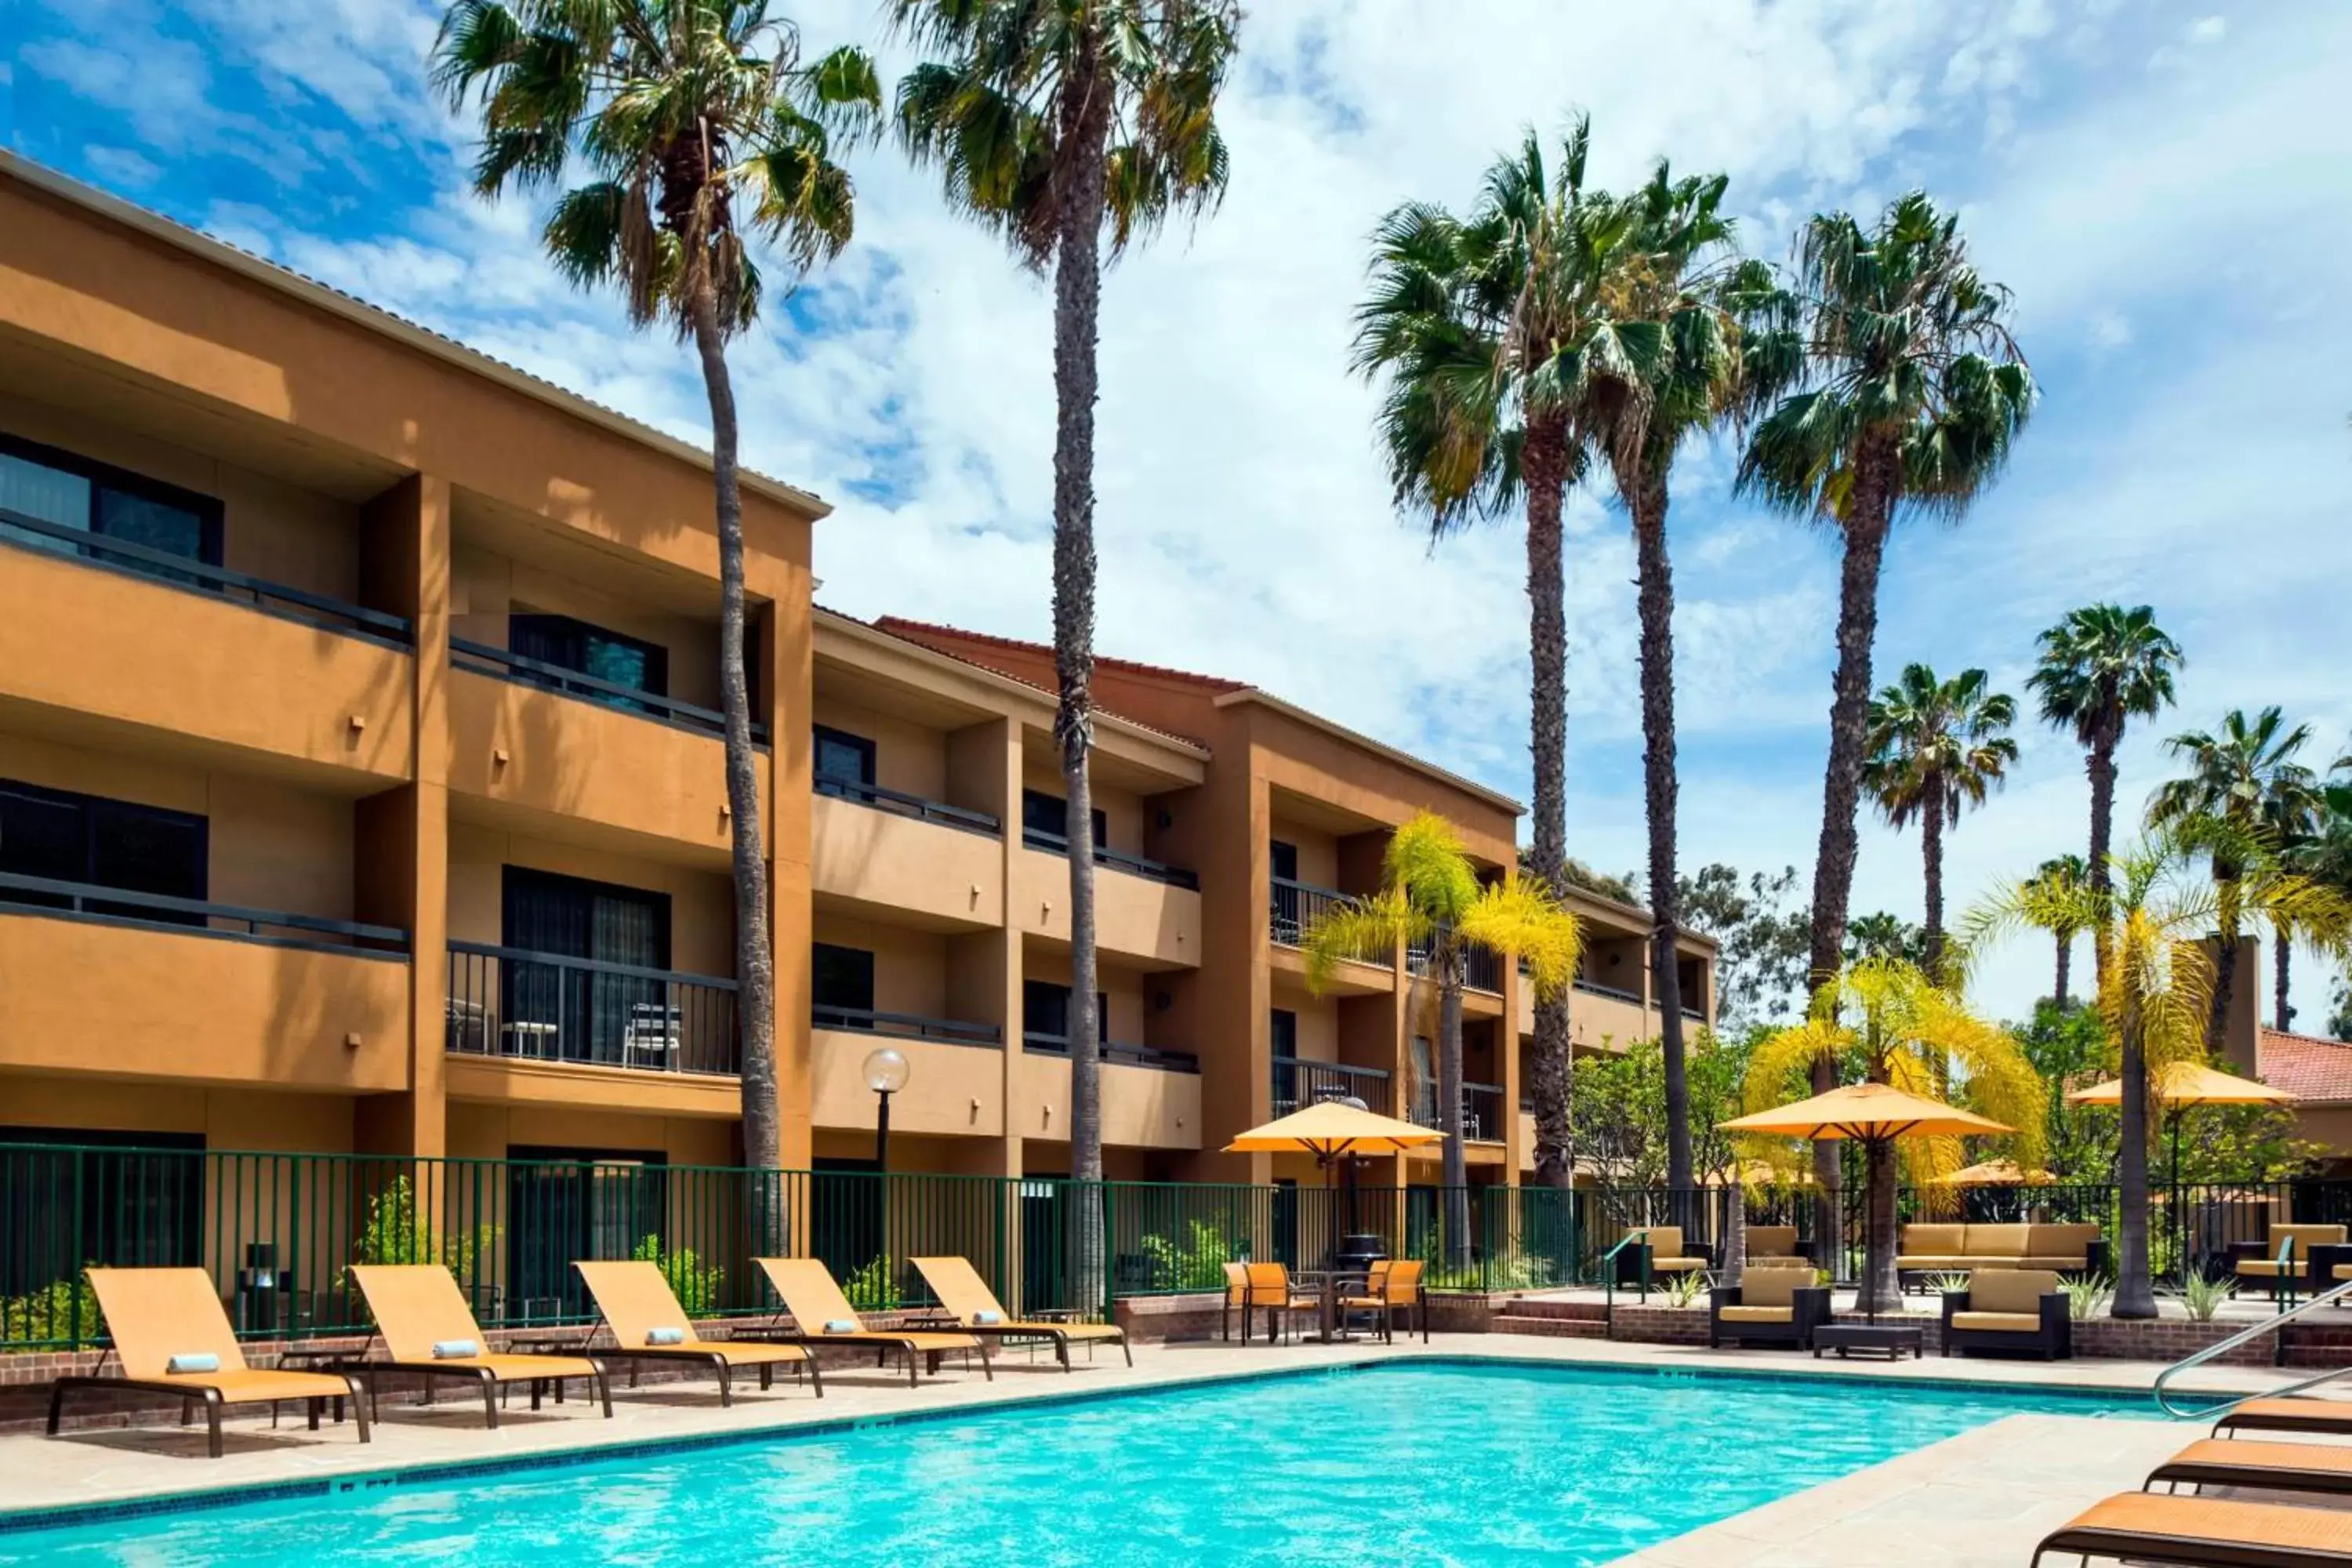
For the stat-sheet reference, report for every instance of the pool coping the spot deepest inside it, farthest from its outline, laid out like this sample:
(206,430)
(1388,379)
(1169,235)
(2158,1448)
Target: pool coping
(205,1499)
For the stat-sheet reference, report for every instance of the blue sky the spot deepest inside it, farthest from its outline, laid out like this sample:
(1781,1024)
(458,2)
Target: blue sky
(2162,184)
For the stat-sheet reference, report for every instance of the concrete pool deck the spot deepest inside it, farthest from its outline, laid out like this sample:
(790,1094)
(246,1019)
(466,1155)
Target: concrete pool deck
(1998,1488)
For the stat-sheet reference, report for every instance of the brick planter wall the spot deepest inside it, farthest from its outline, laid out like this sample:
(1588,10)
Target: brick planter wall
(2160,1341)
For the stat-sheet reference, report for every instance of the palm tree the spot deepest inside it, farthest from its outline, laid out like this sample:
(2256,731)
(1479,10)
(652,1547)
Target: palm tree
(702,124)
(2156,994)
(1465,320)
(2324,854)
(2102,666)
(1429,896)
(2243,776)
(2062,868)
(1934,748)
(1908,1031)
(1060,125)
(1916,394)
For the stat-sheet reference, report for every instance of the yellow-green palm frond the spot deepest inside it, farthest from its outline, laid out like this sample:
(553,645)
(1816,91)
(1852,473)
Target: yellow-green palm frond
(1784,1057)
(1520,919)
(1426,862)
(1989,1068)
(1357,928)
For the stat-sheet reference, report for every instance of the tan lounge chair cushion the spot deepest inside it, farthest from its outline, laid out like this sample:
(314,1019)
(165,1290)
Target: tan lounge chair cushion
(1676,1264)
(155,1314)
(1772,1287)
(2303,1238)
(1759,1314)
(2269,1268)
(2148,1526)
(1937,1241)
(2010,1290)
(2056,1262)
(1932,1263)
(2071,1240)
(2000,1322)
(1990,1241)
(1772,1241)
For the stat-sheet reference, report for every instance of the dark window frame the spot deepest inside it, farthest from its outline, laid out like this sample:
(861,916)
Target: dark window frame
(1279,852)
(656,655)
(820,953)
(93,811)
(1060,826)
(1282,1021)
(1062,994)
(822,735)
(209,513)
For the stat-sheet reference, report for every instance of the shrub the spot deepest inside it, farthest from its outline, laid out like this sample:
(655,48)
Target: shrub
(1942,1284)
(2203,1298)
(49,1316)
(873,1287)
(1684,1287)
(1197,1263)
(694,1285)
(396,1233)
(2085,1294)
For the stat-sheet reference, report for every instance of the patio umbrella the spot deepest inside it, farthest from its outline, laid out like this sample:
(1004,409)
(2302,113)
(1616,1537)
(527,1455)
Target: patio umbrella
(1995,1173)
(2178,1086)
(1873,1115)
(1331,1131)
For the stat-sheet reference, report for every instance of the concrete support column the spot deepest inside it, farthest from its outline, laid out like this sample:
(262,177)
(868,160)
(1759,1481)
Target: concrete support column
(791,639)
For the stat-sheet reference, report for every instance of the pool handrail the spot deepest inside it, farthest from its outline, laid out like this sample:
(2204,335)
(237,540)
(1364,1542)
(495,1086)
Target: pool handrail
(2334,1296)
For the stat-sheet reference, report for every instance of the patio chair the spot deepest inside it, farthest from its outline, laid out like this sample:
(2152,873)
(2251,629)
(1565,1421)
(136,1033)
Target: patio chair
(2331,1417)
(1767,1307)
(822,1315)
(428,1331)
(1269,1290)
(2293,1257)
(1657,1249)
(2009,1309)
(173,1337)
(1391,1288)
(2324,1468)
(1236,1300)
(1776,1247)
(967,1298)
(648,1324)
(2203,1533)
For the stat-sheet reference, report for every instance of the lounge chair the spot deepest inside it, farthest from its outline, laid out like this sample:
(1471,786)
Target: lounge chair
(1657,1249)
(429,1331)
(2318,1416)
(1767,1307)
(1269,1290)
(2204,1533)
(967,1298)
(637,1305)
(2322,1467)
(173,1336)
(822,1315)
(2009,1309)
(1393,1286)
(2295,1256)
(1776,1247)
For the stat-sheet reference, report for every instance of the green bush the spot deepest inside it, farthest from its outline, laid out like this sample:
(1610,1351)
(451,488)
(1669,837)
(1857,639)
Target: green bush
(395,1233)
(694,1285)
(1198,1263)
(873,1287)
(2085,1294)
(52,1315)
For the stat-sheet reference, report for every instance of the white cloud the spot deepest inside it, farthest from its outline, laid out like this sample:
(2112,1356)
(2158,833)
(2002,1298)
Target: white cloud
(123,166)
(2208,29)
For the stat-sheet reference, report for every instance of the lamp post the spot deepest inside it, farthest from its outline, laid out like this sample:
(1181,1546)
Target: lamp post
(886,1075)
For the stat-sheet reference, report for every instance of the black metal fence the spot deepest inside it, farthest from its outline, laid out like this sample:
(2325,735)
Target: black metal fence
(506,1001)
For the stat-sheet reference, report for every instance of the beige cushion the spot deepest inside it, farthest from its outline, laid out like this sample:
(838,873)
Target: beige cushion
(2302,1237)
(1676,1264)
(1771,1287)
(1933,1240)
(2010,1290)
(2060,1240)
(2057,1263)
(2342,1271)
(1996,1240)
(1932,1262)
(1759,1314)
(2266,1268)
(1665,1240)
(2000,1323)
(1772,1241)
(1801,1267)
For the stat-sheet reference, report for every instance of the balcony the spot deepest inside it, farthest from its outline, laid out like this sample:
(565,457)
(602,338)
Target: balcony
(1292,910)
(1111,1051)
(536,1007)
(565,746)
(1482,968)
(112,630)
(1146,912)
(1299,1082)
(1481,1112)
(908,1026)
(1133,864)
(902,855)
(955,1078)
(102,981)
(1150,1098)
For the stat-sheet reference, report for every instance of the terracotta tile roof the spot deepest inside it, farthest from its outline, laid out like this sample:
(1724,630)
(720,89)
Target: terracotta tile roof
(2308,1066)
(898,626)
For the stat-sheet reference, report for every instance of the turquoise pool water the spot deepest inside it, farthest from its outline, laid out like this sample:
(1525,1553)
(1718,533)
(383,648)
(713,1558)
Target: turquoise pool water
(1412,1464)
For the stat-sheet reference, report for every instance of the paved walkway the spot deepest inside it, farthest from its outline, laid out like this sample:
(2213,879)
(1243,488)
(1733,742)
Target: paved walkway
(1998,1488)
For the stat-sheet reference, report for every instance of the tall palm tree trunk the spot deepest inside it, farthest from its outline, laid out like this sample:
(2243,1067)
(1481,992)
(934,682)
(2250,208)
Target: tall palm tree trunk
(1544,462)
(755,971)
(2065,945)
(1931,856)
(2225,965)
(2135,1291)
(1455,1162)
(1881,1292)
(1656,600)
(1077,301)
(2101,766)
(2281,955)
(1866,548)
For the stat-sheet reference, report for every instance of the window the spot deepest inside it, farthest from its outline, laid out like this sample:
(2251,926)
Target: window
(570,1012)
(593,651)
(67,837)
(1284,1031)
(842,978)
(1050,814)
(1046,1010)
(72,491)
(844,764)
(1284,857)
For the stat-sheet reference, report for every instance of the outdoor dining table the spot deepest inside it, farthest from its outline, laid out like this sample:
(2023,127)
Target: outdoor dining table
(1329,1285)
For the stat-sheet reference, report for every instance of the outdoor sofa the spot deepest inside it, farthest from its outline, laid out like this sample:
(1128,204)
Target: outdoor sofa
(1767,1307)
(1655,1250)
(2014,1310)
(1927,1249)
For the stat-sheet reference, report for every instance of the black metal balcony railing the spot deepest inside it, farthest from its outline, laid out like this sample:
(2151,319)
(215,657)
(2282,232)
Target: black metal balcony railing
(1482,1110)
(156,911)
(1482,968)
(179,571)
(1299,1083)
(1616,992)
(908,1026)
(1293,908)
(900,804)
(500,664)
(1116,859)
(1113,1051)
(536,1006)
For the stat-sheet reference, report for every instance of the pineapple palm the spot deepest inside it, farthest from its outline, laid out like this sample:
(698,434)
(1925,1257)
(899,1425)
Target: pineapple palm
(1430,895)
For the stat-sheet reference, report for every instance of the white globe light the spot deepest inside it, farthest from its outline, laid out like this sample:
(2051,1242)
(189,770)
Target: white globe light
(886,1071)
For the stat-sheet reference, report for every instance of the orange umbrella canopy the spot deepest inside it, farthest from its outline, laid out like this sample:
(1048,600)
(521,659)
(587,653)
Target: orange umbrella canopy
(1995,1173)
(1868,1112)
(2188,1083)
(1330,1130)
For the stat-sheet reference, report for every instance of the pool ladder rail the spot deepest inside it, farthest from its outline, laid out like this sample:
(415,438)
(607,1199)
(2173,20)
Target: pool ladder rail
(2338,1295)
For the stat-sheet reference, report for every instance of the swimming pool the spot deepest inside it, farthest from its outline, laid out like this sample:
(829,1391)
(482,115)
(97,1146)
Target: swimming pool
(1417,1462)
